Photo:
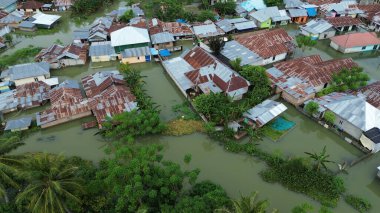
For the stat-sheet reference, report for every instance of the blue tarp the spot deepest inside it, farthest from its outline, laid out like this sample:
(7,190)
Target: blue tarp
(181,20)
(153,51)
(165,53)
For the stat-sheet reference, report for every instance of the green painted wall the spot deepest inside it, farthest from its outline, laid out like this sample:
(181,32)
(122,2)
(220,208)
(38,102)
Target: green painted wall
(120,49)
(266,24)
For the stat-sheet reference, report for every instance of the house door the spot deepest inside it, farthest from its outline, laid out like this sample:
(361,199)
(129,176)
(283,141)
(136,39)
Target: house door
(346,28)
(375,47)
(147,58)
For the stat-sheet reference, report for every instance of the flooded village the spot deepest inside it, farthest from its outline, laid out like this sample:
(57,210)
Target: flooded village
(73,85)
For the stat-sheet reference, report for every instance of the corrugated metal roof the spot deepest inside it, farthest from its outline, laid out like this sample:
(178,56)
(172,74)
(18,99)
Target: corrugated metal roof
(18,123)
(6,3)
(265,112)
(297,12)
(22,71)
(9,19)
(26,24)
(293,3)
(160,38)
(317,26)
(225,25)
(205,29)
(119,38)
(45,19)
(101,49)
(233,50)
(136,52)
(249,5)
(245,25)
(177,67)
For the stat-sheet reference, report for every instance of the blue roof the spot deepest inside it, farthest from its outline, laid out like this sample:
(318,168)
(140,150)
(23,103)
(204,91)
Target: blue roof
(249,5)
(165,53)
(181,20)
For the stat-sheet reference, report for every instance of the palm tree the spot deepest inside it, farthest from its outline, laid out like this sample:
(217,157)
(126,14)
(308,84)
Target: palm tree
(320,159)
(248,204)
(236,64)
(7,167)
(51,183)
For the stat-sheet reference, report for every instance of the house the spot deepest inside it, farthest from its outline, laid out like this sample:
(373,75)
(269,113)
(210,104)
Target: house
(4,30)
(33,94)
(293,3)
(81,35)
(136,55)
(250,5)
(344,23)
(207,29)
(26,73)
(197,71)
(117,14)
(27,26)
(129,37)
(8,5)
(67,104)
(233,50)
(63,5)
(18,124)
(163,40)
(355,42)
(371,16)
(298,16)
(8,102)
(102,51)
(11,21)
(177,29)
(242,24)
(269,16)
(372,93)
(353,115)
(225,25)
(47,7)
(343,8)
(99,30)
(314,70)
(61,56)
(270,45)
(264,112)
(30,6)
(108,95)
(371,140)
(46,21)
(318,29)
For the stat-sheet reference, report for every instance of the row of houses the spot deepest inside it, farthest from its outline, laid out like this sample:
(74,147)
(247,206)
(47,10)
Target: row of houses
(34,6)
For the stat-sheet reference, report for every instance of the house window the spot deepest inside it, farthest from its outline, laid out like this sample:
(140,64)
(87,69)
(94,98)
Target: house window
(138,58)
(363,48)
(35,79)
(341,122)
(325,36)
(274,58)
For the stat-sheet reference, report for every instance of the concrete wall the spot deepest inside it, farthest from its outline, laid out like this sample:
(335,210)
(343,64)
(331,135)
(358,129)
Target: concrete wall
(296,102)
(102,58)
(164,46)
(277,58)
(71,62)
(347,127)
(327,34)
(133,60)
(28,80)
(369,144)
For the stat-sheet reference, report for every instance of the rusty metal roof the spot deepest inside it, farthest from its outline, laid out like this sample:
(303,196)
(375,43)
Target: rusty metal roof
(372,93)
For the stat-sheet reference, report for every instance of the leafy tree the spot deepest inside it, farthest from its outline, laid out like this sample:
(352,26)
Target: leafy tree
(329,117)
(168,10)
(312,108)
(320,159)
(225,7)
(205,4)
(128,15)
(190,16)
(271,3)
(51,183)
(305,41)
(58,41)
(350,79)
(187,158)
(205,15)
(216,107)
(216,44)
(236,64)
(358,203)
(7,167)
(87,7)
(137,177)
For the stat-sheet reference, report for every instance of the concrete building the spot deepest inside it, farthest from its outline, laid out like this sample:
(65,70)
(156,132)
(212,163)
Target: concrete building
(102,51)
(128,38)
(355,42)
(318,29)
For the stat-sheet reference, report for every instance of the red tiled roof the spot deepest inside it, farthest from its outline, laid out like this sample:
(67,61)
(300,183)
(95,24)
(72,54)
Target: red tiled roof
(320,2)
(313,70)
(356,39)
(343,21)
(31,4)
(3,13)
(266,43)
(198,58)
(372,93)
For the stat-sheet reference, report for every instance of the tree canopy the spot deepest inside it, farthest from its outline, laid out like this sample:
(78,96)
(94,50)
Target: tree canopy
(225,7)
(305,41)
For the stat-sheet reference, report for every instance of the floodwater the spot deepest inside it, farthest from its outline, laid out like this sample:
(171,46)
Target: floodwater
(237,173)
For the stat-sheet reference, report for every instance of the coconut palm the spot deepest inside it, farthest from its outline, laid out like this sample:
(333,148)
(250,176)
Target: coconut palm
(248,204)
(236,64)
(51,184)
(320,159)
(7,167)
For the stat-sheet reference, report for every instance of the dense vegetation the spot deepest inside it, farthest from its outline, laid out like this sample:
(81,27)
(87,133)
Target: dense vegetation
(305,41)
(87,7)
(345,80)
(358,203)
(23,55)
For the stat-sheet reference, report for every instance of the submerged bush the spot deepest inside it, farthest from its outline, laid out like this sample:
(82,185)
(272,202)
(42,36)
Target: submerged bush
(358,203)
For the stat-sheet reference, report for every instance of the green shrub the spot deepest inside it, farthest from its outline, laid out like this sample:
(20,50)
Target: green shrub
(358,203)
